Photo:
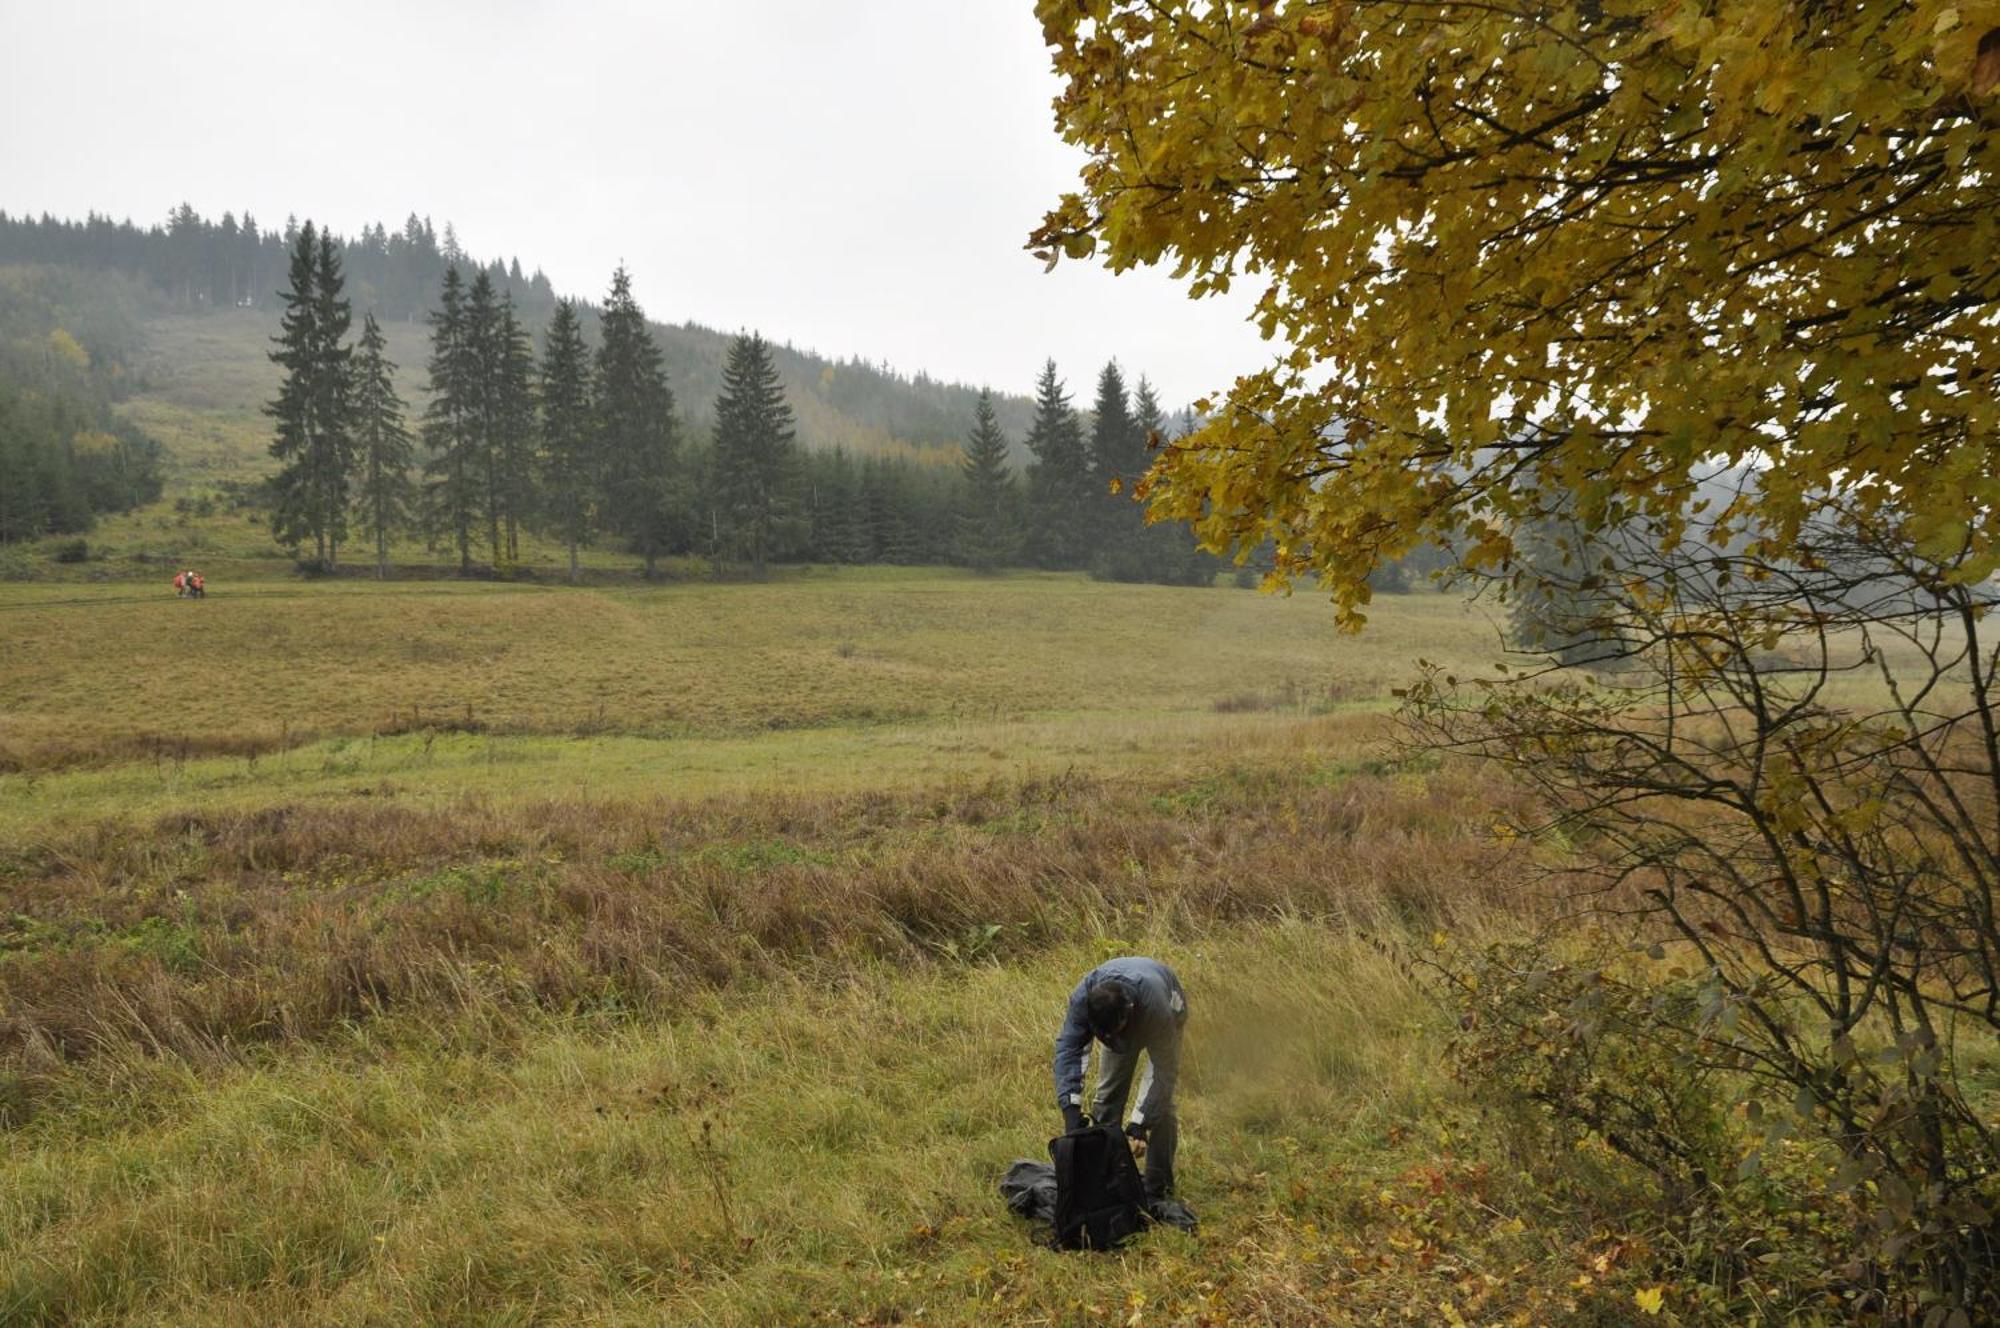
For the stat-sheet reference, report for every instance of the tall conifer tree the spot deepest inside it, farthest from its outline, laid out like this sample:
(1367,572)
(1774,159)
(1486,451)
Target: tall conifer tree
(1117,459)
(336,394)
(568,459)
(452,472)
(382,445)
(1164,552)
(755,447)
(293,409)
(637,437)
(888,509)
(987,531)
(314,406)
(1117,440)
(483,337)
(1058,479)
(514,427)
(1150,420)
(840,513)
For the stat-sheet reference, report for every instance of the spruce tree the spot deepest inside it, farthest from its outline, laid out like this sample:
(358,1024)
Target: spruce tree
(452,472)
(294,446)
(382,445)
(845,503)
(637,438)
(1058,479)
(1117,446)
(336,395)
(888,509)
(1172,548)
(568,468)
(987,535)
(1117,456)
(314,405)
(1165,552)
(514,427)
(1150,421)
(755,447)
(826,502)
(483,339)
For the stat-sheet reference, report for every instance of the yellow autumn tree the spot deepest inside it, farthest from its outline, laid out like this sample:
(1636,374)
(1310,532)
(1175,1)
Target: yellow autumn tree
(1517,251)
(67,351)
(1534,267)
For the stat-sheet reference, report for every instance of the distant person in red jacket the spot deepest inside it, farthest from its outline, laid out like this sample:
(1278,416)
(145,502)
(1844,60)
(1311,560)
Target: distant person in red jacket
(180,585)
(196,586)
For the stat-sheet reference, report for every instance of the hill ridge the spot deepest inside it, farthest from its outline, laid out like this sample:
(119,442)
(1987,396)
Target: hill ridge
(196,267)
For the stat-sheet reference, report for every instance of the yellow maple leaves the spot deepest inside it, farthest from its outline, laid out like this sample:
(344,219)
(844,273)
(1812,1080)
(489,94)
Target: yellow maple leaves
(1565,250)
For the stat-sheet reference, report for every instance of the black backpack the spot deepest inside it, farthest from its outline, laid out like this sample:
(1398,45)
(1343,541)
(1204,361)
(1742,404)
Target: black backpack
(1100,1200)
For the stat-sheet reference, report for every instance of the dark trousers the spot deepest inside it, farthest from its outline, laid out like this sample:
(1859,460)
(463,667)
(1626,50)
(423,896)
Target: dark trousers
(1114,1089)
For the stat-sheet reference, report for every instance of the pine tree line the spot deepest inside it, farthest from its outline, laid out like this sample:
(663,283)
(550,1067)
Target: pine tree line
(586,445)
(1081,512)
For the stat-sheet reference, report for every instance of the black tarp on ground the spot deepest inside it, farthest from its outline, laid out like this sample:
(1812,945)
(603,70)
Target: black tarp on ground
(1030,1190)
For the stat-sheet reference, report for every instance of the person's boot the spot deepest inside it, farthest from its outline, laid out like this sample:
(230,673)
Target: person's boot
(1161,1144)
(1163,1208)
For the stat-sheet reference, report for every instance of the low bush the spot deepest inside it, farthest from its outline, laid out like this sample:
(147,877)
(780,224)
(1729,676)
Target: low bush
(1626,1080)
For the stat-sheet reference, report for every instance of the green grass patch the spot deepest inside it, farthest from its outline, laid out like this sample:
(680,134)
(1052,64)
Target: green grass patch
(802,1152)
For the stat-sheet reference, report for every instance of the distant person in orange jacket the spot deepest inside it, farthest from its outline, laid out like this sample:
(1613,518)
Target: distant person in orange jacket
(180,585)
(196,586)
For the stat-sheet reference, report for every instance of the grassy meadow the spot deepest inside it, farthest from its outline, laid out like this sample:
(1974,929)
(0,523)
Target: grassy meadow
(514,953)
(120,697)
(690,954)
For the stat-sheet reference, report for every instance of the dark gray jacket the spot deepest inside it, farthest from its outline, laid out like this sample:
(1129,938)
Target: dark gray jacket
(1159,1010)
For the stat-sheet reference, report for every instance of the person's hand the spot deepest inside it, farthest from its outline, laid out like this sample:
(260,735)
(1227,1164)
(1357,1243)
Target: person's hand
(1137,1132)
(1073,1119)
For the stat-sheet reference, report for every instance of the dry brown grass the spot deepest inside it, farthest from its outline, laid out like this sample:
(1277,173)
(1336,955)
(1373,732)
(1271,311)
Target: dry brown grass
(204,934)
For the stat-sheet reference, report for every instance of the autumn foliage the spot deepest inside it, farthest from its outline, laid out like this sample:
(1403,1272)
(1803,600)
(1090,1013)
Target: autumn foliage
(1511,251)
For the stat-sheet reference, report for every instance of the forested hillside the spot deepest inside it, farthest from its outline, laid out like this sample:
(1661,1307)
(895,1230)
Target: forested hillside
(193,265)
(65,455)
(473,458)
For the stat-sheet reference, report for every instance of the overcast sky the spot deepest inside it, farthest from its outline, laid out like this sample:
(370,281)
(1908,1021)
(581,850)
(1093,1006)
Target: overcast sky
(852,176)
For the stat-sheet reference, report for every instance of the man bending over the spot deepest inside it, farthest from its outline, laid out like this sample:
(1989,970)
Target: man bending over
(1129,1005)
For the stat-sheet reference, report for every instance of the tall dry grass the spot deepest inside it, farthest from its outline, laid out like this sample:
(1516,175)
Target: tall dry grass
(203,935)
(822,1149)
